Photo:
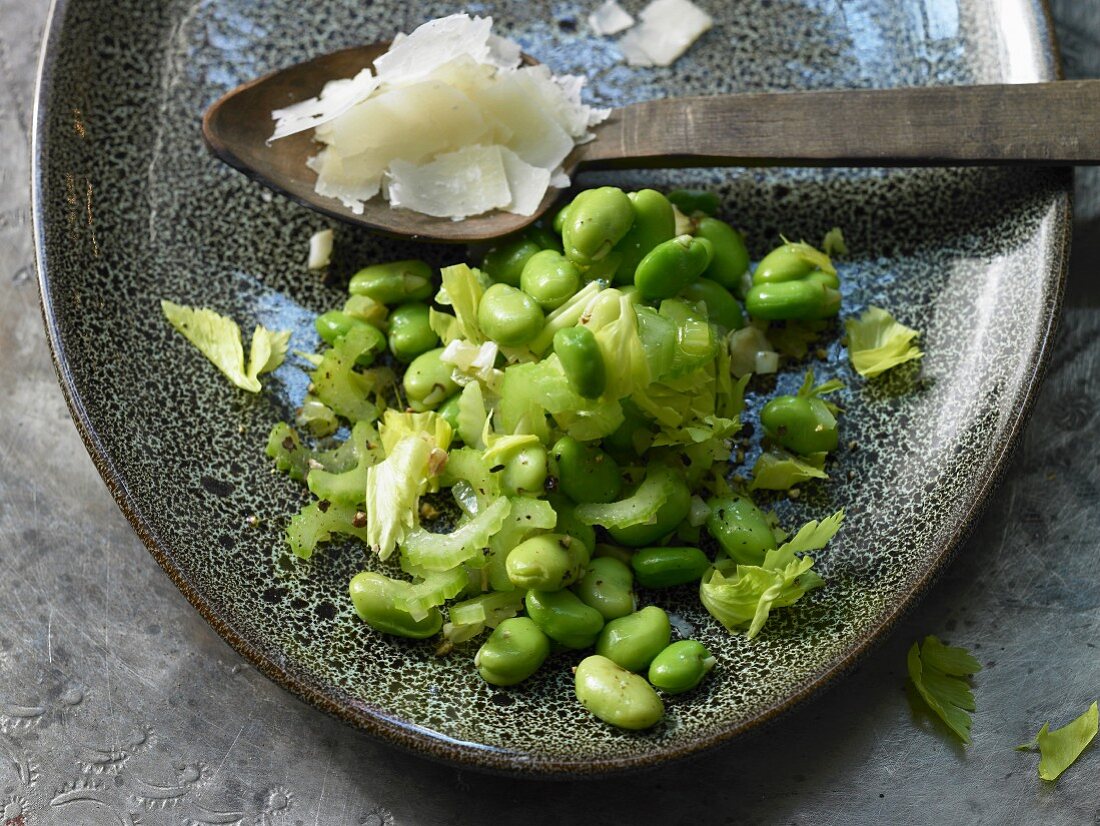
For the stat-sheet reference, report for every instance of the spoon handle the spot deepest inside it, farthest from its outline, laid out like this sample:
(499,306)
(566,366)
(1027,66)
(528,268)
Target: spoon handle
(1037,123)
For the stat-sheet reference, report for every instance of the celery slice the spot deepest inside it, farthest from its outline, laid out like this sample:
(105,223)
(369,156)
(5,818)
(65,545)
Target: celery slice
(443,551)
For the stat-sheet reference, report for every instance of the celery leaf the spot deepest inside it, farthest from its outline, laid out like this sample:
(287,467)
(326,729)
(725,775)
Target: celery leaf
(219,339)
(1059,749)
(780,470)
(462,290)
(938,673)
(746,595)
(393,492)
(877,342)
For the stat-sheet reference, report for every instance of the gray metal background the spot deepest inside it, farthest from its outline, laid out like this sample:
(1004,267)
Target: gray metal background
(119,705)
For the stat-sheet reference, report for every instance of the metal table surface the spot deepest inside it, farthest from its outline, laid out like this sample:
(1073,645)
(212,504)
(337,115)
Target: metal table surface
(119,705)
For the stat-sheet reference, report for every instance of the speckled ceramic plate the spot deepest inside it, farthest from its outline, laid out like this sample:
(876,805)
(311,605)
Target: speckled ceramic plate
(130,208)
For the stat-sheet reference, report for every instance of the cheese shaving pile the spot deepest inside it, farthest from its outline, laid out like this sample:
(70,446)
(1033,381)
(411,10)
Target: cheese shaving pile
(449,124)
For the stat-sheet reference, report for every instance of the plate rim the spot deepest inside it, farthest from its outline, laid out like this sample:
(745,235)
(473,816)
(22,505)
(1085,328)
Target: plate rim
(406,735)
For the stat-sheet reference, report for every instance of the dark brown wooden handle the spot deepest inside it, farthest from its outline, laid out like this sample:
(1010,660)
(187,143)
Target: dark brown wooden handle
(1039,123)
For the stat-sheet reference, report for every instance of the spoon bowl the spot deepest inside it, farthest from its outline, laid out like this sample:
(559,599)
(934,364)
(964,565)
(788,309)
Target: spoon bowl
(1043,124)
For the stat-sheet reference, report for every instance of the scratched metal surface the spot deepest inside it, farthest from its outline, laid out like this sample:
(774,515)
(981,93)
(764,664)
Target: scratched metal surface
(119,705)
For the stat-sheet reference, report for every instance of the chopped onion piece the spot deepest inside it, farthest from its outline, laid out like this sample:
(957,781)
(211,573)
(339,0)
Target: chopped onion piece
(470,358)
(667,30)
(699,512)
(767,361)
(610,18)
(320,249)
(747,345)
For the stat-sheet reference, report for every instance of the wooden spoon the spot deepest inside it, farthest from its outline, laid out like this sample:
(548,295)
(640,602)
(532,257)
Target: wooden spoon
(1048,124)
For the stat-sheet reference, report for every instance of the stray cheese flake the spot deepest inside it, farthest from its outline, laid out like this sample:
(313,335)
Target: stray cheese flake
(449,93)
(610,18)
(667,30)
(320,249)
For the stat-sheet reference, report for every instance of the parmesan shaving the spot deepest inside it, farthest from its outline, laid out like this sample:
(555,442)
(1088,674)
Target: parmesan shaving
(610,18)
(467,182)
(320,249)
(449,124)
(527,183)
(667,30)
(336,98)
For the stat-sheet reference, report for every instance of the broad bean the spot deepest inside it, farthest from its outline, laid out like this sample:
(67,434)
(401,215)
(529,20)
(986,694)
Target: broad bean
(731,256)
(334,325)
(680,667)
(373,596)
(607,586)
(410,334)
(524,472)
(509,316)
(547,562)
(395,282)
(615,695)
(581,360)
(557,223)
(653,223)
(805,300)
(546,239)
(584,472)
(594,222)
(740,528)
(605,551)
(513,652)
(569,524)
(505,262)
(634,640)
(663,567)
(356,336)
(671,266)
(605,269)
(794,282)
(563,617)
(427,380)
(550,278)
(691,201)
(804,425)
(722,308)
(449,411)
(793,262)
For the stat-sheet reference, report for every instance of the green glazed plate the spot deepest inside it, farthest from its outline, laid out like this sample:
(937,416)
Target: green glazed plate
(130,208)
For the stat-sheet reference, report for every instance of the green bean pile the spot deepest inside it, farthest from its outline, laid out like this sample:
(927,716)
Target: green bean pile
(577,397)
